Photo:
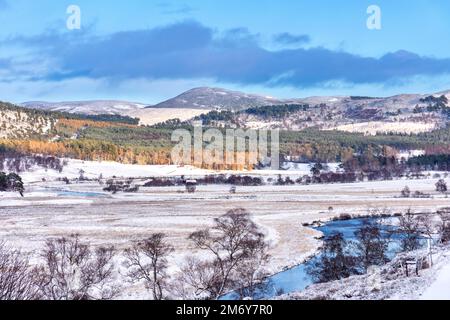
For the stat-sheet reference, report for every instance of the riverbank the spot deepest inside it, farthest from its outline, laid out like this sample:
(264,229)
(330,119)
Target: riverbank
(386,283)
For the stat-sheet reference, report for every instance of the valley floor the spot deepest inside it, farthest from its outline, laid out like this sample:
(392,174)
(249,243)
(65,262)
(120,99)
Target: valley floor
(52,209)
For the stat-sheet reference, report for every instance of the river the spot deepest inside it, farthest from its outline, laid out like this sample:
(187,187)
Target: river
(297,278)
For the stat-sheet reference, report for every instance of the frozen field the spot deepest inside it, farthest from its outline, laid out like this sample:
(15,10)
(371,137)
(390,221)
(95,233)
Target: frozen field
(51,209)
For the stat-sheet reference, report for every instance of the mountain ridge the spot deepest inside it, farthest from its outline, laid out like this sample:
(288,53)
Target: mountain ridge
(212,98)
(410,112)
(89,107)
(217,98)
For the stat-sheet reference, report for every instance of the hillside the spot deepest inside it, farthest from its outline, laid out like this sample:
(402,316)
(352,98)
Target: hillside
(404,113)
(147,115)
(324,129)
(118,138)
(217,98)
(400,114)
(21,123)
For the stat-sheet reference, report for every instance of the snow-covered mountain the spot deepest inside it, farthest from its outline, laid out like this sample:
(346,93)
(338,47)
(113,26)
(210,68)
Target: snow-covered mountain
(87,107)
(206,98)
(217,98)
(406,113)
(403,113)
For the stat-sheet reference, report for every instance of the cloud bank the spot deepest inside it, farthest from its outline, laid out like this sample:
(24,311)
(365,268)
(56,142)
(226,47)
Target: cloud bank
(190,50)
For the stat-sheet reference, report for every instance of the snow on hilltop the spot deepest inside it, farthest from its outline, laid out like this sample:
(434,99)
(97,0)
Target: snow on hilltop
(216,98)
(87,107)
(403,113)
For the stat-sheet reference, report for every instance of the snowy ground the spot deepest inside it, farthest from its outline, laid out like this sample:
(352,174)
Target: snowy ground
(151,116)
(94,169)
(387,283)
(440,286)
(374,127)
(51,208)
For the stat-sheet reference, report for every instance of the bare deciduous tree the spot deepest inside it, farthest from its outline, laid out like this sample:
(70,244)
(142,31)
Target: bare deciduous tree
(371,245)
(147,261)
(251,275)
(444,226)
(335,262)
(238,250)
(197,279)
(428,224)
(441,186)
(18,280)
(72,270)
(409,229)
(406,192)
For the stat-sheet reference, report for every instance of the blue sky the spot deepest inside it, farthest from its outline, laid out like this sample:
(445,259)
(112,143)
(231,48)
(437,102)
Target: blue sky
(152,50)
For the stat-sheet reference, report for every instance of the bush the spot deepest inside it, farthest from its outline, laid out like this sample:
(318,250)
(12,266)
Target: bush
(11,182)
(120,186)
(343,217)
(406,192)
(441,186)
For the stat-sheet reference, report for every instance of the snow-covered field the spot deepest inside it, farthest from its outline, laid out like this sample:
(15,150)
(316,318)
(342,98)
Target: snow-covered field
(151,116)
(51,208)
(375,127)
(93,170)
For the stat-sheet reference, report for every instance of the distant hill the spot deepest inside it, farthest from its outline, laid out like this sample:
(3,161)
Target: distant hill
(206,98)
(405,113)
(216,98)
(94,107)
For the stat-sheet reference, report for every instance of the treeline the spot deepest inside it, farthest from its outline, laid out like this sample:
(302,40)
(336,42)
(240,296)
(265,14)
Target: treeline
(213,116)
(357,98)
(90,150)
(17,162)
(332,146)
(276,111)
(91,139)
(439,101)
(70,128)
(14,161)
(233,180)
(439,162)
(114,118)
(266,112)
(97,150)
(435,104)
